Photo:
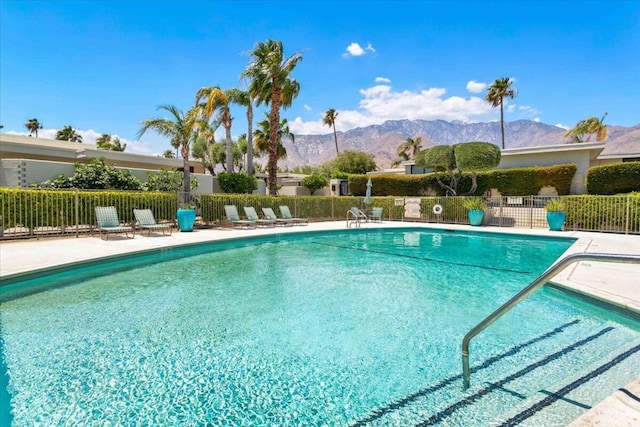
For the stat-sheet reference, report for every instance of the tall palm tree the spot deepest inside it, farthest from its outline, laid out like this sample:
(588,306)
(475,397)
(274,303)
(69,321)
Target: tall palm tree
(497,92)
(589,127)
(269,73)
(218,99)
(242,97)
(33,125)
(68,133)
(410,147)
(180,128)
(330,120)
(262,134)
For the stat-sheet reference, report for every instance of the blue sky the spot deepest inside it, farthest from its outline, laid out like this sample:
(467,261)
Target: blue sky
(102,67)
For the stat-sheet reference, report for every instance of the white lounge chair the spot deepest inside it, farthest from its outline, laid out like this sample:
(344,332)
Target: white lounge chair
(286,214)
(232,215)
(252,215)
(270,214)
(376,215)
(147,221)
(108,222)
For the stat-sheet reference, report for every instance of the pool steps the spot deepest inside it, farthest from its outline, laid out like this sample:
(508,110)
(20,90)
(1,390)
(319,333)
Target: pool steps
(513,381)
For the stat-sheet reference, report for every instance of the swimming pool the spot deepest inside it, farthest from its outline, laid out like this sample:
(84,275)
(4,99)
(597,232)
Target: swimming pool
(341,328)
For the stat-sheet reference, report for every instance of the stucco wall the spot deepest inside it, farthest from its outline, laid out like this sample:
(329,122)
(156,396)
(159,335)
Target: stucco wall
(580,158)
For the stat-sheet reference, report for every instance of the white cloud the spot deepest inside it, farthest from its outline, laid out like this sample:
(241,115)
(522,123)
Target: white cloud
(561,126)
(510,108)
(354,49)
(476,87)
(382,80)
(306,107)
(380,103)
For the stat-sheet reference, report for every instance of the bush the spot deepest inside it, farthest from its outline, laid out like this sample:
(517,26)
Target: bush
(314,182)
(614,179)
(237,183)
(96,175)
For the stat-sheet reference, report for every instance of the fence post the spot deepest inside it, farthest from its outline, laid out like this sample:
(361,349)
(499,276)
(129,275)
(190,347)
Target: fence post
(77,214)
(626,226)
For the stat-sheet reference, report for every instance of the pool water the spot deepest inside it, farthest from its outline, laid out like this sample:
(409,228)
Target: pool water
(349,328)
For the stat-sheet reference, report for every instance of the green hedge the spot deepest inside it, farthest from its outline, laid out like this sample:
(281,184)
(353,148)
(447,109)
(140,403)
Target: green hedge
(608,213)
(511,182)
(57,208)
(614,179)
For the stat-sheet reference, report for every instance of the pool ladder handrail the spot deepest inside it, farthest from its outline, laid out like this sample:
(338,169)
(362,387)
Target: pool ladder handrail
(532,287)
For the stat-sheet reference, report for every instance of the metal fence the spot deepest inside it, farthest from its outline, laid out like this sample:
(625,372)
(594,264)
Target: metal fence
(41,213)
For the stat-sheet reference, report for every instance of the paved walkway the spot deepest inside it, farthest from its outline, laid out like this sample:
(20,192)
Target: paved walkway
(615,283)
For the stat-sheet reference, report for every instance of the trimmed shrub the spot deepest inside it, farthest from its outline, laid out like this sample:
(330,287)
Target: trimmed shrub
(236,183)
(314,182)
(614,179)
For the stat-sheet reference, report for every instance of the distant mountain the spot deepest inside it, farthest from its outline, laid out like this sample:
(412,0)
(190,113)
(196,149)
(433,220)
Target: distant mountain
(383,140)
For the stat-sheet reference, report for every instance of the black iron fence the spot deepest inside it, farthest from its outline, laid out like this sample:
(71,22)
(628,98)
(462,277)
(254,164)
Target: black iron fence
(41,213)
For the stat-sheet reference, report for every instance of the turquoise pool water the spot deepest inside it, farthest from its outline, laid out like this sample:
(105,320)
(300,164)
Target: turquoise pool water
(348,328)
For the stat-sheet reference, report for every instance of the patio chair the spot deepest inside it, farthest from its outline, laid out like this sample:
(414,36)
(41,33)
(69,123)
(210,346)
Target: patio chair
(355,216)
(286,214)
(232,216)
(108,222)
(376,215)
(146,221)
(270,214)
(252,215)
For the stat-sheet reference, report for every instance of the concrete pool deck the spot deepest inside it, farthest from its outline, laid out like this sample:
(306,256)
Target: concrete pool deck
(618,284)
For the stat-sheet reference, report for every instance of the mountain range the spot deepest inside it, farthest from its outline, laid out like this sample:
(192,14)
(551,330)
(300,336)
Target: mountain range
(383,140)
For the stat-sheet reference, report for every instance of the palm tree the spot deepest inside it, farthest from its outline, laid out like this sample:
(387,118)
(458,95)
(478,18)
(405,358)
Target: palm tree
(68,133)
(116,145)
(180,128)
(33,125)
(330,120)
(105,142)
(270,84)
(410,147)
(168,154)
(218,99)
(588,127)
(496,93)
(243,98)
(262,134)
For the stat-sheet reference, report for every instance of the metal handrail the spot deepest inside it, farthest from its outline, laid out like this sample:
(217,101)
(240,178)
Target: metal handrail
(533,286)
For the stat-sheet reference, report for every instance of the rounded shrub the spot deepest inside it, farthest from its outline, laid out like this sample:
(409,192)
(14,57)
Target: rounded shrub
(614,179)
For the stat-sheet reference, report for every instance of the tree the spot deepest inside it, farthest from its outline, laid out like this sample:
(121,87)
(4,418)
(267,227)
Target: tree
(96,175)
(330,120)
(244,99)
(218,99)
(262,134)
(68,133)
(410,147)
(314,182)
(588,127)
(168,154)
(349,161)
(33,125)
(271,84)
(105,142)
(497,92)
(180,128)
(472,157)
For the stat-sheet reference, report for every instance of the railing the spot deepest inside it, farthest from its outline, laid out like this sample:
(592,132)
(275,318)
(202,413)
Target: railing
(41,213)
(537,283)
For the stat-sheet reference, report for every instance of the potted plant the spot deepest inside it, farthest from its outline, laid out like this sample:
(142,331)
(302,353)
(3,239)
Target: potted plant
(475,209)
(555,215)
(186,216)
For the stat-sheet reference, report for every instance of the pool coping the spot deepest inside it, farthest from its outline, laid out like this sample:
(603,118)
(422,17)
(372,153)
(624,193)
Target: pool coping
(609,283)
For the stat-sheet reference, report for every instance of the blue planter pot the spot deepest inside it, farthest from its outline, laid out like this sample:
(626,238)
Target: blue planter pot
(556,220)
(475,217)
(186,219)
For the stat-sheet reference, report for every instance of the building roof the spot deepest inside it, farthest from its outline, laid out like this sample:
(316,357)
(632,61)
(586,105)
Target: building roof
(21,146)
